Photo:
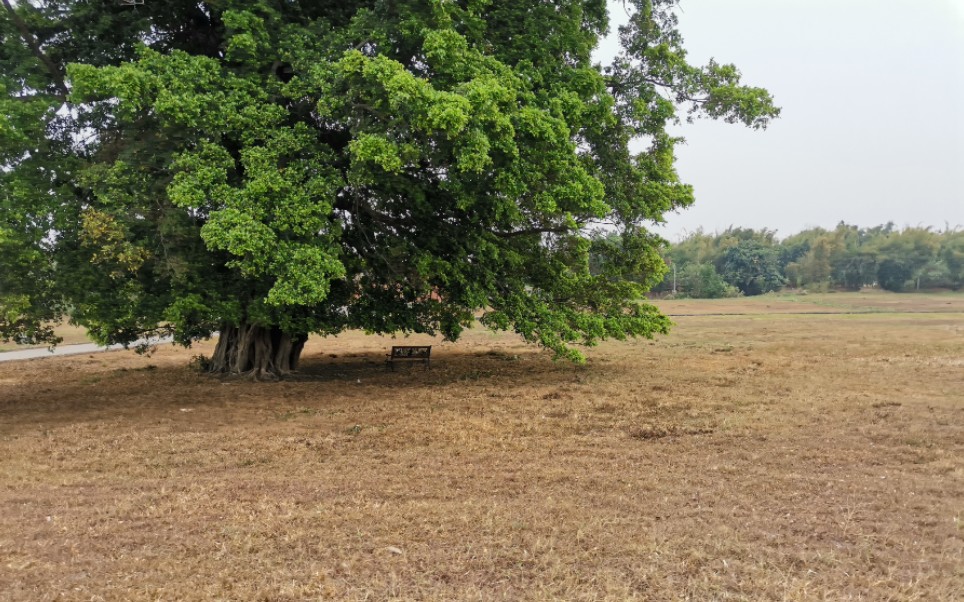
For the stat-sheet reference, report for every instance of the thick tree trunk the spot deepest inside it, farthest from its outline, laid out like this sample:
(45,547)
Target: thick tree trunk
(263,353)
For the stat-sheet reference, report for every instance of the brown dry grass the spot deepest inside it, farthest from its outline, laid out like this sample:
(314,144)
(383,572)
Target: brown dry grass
(758,457)
(865,301)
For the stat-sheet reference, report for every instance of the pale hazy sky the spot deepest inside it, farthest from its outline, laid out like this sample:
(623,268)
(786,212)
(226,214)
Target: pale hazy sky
(872,128)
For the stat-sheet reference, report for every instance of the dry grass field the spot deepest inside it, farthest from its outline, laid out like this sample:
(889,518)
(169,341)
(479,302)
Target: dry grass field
(763,456)
(71,335)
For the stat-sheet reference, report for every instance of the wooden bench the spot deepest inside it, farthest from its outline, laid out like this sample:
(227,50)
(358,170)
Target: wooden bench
(410,353)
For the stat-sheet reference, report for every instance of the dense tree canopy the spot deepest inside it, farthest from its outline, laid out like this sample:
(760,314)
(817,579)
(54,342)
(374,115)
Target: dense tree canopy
(268,169)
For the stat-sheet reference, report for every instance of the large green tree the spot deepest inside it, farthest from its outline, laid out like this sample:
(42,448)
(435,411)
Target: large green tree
(267,169)
(752,267)
(904,256)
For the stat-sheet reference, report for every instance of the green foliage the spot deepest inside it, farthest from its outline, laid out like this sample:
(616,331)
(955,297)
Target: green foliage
(903,257)
(752,267)
(846,257)
(632,256)
(894,274)
(698,247)
(701,281)
(952,256)
(314,166)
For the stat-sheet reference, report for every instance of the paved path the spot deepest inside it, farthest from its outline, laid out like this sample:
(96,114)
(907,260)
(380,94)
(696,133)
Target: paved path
(33,354)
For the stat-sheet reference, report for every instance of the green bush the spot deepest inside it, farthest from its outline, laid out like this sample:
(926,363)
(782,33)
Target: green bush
(701,281)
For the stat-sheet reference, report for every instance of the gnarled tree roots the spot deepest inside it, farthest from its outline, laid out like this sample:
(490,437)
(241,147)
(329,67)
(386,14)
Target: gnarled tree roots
(258,352)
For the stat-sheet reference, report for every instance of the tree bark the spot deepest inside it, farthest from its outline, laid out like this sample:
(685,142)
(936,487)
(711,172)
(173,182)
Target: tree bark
(259,352)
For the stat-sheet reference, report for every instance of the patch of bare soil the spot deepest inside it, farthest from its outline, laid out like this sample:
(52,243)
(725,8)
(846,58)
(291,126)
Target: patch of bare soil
(798,458)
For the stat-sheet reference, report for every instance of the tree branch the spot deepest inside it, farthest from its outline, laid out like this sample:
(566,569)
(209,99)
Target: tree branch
(38,52)
(678,89)
(546,230)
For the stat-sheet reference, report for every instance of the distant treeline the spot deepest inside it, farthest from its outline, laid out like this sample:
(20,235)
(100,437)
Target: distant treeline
(751,262)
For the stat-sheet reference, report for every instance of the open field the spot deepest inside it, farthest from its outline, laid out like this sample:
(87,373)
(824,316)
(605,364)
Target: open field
(71,335)
(766,456)
(867,301)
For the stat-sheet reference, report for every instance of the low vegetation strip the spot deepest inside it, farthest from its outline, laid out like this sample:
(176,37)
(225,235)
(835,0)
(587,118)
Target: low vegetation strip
(743,457)
(752,262)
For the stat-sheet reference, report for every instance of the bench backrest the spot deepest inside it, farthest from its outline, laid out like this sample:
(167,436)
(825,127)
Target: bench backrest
(413,351)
